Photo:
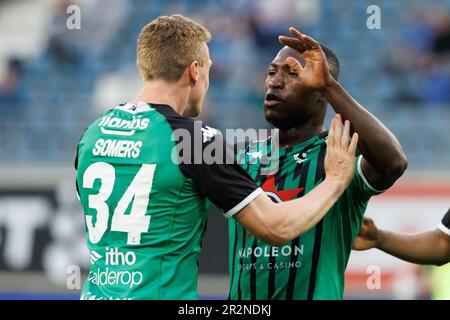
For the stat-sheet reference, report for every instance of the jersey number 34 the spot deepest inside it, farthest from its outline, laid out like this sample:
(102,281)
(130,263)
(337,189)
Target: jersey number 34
(138,192)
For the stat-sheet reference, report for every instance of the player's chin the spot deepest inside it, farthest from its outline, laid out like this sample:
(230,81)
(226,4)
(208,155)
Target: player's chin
(277,120)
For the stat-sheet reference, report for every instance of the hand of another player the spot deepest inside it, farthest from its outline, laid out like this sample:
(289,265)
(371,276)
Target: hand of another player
(368,236)
(316,72)
(340,157)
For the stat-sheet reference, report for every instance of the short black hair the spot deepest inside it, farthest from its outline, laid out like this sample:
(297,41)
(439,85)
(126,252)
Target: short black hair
(332,60)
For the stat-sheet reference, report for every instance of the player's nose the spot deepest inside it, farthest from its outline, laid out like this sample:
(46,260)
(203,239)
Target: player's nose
(276,82)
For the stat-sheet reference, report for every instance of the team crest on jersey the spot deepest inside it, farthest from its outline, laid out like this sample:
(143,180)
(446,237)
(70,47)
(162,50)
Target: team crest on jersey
(275,195)
(279,195)
(300,157)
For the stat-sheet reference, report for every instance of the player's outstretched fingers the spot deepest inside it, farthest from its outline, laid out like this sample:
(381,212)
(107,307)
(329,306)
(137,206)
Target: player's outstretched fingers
(353,144)
(345,136)
(307,40)
(338,131)
(330,140)
(293,43)
(295,32)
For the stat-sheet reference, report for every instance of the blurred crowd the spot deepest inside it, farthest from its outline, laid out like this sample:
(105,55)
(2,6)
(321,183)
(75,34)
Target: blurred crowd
(420,63)
(405,64)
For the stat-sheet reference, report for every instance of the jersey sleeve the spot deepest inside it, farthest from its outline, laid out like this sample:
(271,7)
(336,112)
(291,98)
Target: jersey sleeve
(360,184)
(356,198)
(211,165)
(226,184)
(444,225)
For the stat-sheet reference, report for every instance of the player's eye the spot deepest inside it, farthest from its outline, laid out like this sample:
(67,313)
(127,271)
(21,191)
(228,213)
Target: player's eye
(271,73)
(293,74)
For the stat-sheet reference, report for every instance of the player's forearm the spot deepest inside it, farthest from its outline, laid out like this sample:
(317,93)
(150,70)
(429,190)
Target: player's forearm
(376,142)
(301,214)
(423,248)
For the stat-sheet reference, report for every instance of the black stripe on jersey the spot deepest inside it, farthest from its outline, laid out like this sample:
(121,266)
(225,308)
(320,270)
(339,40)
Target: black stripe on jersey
(241,263)
(234,257)
(315,260)
(253,271)
(320,170)
(320,175)
(271,280)
(293,271)
(259,179)
(279,184)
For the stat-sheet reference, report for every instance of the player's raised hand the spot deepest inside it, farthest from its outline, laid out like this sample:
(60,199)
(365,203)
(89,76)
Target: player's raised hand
(316,73)
(368,236)
(340,157)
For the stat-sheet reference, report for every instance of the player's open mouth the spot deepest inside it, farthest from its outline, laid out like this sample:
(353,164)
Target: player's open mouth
(271,100)
(272,97)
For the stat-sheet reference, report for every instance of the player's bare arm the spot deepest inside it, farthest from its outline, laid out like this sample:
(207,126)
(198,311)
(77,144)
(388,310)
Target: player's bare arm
(277,223)
(432,247)
(384,160)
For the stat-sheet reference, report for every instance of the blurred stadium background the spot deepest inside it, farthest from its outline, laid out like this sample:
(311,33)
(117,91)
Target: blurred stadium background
(55,81)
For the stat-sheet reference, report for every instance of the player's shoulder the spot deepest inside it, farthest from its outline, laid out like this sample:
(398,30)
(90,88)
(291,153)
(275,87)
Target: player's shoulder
(98,119)
(178,121)
(182,126)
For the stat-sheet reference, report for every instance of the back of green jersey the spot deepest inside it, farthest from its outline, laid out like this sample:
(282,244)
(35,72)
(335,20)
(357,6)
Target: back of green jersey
(129,189)
(145,213)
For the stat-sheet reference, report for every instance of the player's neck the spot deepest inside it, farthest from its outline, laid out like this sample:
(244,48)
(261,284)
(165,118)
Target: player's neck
(161,92)
(299,134)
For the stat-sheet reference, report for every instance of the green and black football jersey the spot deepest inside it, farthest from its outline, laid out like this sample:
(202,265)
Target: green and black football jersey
(311,266)
(444,225)
(145,205)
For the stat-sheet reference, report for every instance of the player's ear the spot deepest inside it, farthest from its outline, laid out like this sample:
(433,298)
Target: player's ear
(193,72)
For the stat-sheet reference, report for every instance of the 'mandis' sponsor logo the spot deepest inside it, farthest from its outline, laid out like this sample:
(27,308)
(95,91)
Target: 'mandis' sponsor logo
(125,127)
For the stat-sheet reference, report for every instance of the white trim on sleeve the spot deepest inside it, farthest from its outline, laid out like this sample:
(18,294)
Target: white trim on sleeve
(243,203)
(364,178)
(443,228)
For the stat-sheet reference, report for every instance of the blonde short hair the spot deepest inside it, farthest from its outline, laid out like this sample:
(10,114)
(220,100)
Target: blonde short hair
(167,45)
